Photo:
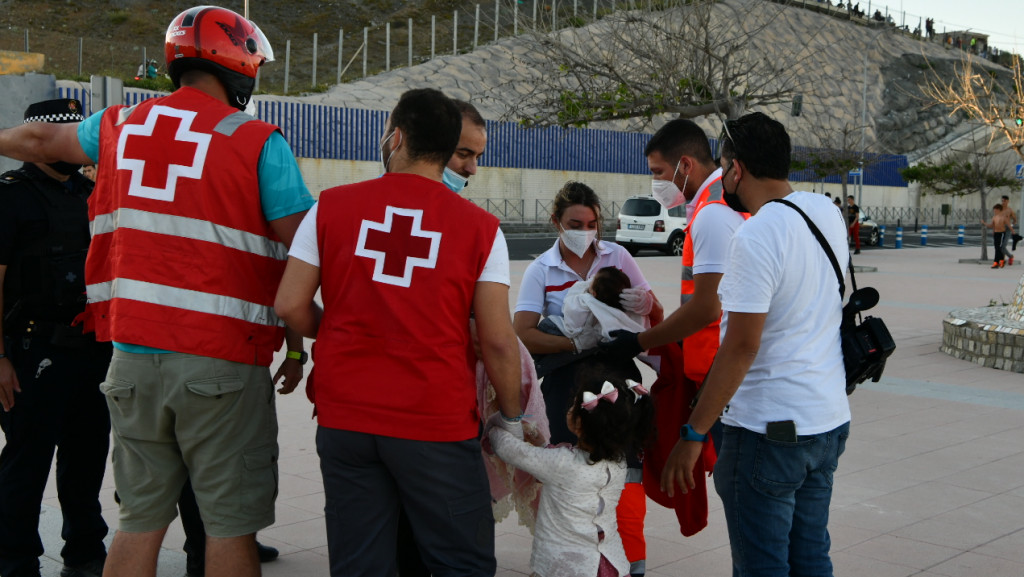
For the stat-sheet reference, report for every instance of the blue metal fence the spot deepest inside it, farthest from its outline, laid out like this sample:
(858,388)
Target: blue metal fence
(330,132)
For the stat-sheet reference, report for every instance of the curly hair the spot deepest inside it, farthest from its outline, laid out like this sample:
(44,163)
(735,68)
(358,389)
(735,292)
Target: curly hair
(612,430)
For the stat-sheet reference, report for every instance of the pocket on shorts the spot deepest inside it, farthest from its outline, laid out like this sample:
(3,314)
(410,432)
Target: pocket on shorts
(259,486)
(120,395)
(215,387)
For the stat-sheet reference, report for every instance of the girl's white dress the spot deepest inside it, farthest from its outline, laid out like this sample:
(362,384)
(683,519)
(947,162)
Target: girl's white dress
(577,501)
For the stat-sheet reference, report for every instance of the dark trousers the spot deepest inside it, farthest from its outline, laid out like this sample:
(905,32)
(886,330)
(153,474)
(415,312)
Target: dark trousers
(441,486)
(195,531)
(59,409)
(997,240)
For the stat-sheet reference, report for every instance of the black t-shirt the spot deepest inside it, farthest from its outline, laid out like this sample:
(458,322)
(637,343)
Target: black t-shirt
(852,213)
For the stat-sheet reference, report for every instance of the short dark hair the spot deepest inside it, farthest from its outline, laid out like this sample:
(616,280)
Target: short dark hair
(998,207)
(573,193)
(849,197)
(430,123)
(761,143)
(469,112)
(608,284)
(1006,197)
(680,137)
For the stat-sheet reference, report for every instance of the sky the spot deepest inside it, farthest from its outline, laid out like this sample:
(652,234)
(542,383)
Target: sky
(1002,20)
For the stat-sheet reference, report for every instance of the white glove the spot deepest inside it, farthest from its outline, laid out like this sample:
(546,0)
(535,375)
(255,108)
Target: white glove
(515,428)
(637,300)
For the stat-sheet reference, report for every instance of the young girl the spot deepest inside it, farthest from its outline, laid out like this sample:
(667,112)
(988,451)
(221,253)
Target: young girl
(576,532)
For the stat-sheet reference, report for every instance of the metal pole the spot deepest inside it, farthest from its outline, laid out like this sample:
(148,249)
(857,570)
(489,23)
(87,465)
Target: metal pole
(341,46)
(366,48)
(433,34)
(455,33)
(863,123)
(554,15)
(80,55)
(410,43)
(476,27)
(515,18)
(145,63)
(387,44)
(314,59)
(497,19)
(535,14)
(575,3)
(26,40)
(287,62)
(595,10)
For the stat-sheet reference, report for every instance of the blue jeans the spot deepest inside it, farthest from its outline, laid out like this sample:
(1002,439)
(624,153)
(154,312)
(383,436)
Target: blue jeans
(776,498)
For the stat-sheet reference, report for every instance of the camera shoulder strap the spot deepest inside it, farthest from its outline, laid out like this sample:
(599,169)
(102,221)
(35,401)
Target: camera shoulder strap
(825,246)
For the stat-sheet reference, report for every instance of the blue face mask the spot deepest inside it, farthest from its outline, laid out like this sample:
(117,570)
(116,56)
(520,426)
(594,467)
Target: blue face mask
(453,180)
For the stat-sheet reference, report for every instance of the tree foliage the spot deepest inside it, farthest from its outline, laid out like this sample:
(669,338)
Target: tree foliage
(688,59)
(987,95)
(963,172)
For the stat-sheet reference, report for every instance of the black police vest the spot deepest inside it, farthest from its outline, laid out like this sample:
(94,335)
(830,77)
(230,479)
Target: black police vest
(46,280)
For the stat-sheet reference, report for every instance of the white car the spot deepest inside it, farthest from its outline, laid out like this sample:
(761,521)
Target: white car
(644,223)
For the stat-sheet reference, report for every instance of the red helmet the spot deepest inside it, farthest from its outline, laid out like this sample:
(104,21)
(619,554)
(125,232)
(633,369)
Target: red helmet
(218,41)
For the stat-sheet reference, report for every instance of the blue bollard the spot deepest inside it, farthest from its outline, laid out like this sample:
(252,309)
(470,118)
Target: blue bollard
(924,235)
(960,235)
(881,235)
(899,237)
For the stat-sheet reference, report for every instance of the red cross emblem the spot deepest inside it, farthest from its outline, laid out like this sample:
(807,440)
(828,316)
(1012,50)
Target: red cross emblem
(398,245)
(160,151)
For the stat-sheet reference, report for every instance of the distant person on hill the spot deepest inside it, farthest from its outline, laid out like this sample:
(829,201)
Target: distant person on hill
(877,16)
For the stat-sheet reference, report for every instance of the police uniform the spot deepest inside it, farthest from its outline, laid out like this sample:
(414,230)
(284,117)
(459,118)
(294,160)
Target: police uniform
(44,237)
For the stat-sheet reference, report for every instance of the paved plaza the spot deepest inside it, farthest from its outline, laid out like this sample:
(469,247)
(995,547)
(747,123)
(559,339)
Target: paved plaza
(931,484)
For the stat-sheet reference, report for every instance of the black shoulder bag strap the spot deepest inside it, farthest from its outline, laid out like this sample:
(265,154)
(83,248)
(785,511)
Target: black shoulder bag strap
(825,246)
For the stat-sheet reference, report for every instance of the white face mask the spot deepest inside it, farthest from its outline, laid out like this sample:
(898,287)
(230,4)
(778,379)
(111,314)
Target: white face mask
(578,241)
(387,161)
(667,193)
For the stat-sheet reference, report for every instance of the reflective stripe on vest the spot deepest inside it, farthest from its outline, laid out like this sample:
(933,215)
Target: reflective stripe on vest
(712,194)
(184,299)
(188,228)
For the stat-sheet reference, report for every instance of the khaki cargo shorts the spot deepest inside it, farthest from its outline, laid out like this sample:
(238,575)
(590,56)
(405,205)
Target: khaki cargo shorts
(176,416)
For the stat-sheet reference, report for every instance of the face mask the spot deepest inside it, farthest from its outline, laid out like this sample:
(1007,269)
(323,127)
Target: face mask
(453,180)
(65,168)
(667,193)
(578,241)
(382,145)
(732,199)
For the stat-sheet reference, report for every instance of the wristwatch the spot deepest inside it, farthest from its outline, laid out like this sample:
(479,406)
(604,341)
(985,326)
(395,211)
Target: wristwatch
(300,356)
(687,433)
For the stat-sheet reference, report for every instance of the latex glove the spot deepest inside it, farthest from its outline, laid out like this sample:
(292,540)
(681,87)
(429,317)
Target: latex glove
(623,344)
(637,300)
(514,428)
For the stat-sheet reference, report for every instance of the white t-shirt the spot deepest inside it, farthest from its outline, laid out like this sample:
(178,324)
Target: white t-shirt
(776,266)
(548,279)
(712,231)
(306,248)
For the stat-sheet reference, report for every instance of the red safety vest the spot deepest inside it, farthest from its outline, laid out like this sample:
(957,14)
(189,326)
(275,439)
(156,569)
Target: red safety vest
(182,258)
(400,257)
(699,348)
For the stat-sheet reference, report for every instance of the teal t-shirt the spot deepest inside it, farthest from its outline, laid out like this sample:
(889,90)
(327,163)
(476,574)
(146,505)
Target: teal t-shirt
(282,190)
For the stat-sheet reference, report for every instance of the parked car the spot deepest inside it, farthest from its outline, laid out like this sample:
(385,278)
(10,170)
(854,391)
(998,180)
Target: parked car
(869,233)
(644,223)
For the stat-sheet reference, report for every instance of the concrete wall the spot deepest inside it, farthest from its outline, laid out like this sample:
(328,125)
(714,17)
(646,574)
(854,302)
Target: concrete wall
(18,92)
(525,194)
